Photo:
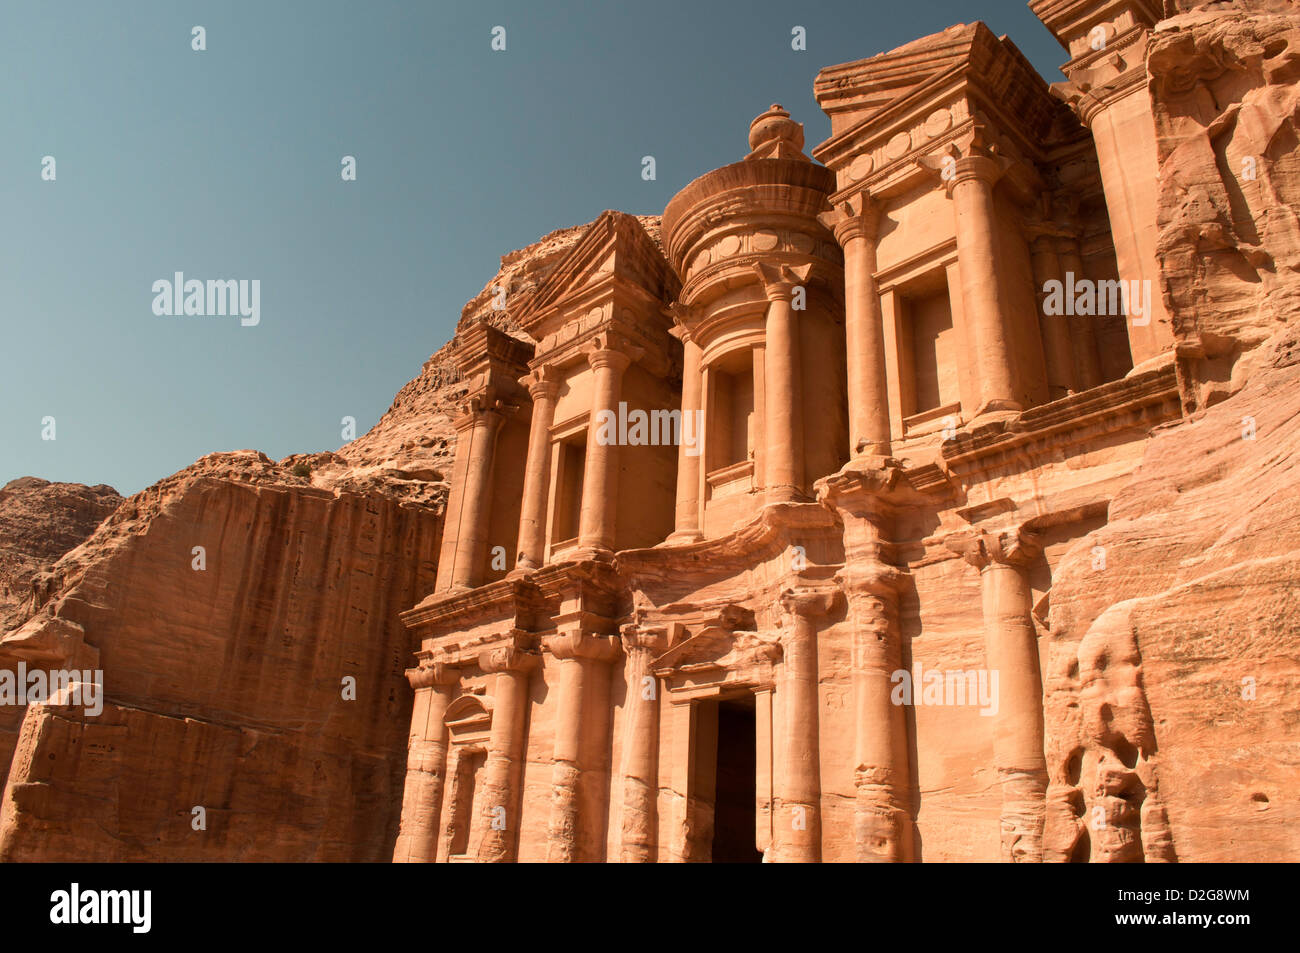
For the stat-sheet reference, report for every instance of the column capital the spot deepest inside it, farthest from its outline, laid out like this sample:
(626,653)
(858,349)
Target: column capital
(651,640)
(975,168)
(542,382)
(431,672)
(1090,91)
(483,409)
(681,316)
(872,578)
(975,155)
(779,281)
(1054,216)
(869,478)
(806,601)
(612,350)
(1015,547)
(1067,243)
(858,216)
(510,656)
(578,644)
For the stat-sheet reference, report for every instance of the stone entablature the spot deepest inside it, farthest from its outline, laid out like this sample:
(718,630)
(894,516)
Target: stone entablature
(932,107)
(1087,28)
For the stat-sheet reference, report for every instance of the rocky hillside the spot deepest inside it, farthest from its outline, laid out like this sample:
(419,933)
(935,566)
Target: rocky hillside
(39,522)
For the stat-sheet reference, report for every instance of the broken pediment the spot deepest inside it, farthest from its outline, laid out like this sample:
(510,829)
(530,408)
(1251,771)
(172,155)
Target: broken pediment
(614,252)
(718,649)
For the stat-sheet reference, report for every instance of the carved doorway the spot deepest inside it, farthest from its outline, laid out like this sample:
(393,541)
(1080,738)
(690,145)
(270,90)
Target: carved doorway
(734,810)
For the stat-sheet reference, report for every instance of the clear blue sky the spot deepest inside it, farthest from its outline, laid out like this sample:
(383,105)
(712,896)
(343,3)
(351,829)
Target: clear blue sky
(225,164)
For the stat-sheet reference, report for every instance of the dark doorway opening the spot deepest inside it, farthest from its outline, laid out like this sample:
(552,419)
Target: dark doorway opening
(734,815)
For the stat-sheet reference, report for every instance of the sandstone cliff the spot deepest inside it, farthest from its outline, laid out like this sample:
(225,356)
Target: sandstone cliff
(39,522)
(1171,666)
(1172,669)
(1225,97)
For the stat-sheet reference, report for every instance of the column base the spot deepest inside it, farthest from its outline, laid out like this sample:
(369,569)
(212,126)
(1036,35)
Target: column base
(995,410)
(595,554)
(785,494)
(683,538)
(871,448)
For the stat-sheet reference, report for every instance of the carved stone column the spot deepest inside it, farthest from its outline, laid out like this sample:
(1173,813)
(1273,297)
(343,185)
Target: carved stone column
(1057,351)
(641,746)
(600,476)
(882,820)
(971,189)
(687,527)
(426,763)
(854,223)
(1083,327)
(797,829)
(783,467)
(1011,650)
(582,659)
(478,428)
(1118,113)
(872,585)
(544,386)
(513,667)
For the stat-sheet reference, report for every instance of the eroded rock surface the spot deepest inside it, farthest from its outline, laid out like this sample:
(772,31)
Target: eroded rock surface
(39,522)
(1174,630)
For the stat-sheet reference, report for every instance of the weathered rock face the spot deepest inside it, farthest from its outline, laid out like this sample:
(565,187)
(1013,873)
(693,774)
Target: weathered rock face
(245,621)
(245,616)
(1174,627)
(39,522)
(1223,82)
(1173,648)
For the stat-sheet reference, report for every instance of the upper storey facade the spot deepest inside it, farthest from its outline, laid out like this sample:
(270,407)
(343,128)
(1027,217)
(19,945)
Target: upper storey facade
(964,188)
(953,262)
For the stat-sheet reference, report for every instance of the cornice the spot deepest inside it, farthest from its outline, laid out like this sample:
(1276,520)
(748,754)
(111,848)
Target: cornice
(1142,401)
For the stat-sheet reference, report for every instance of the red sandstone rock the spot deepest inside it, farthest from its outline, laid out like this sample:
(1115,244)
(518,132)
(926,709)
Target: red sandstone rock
(39,522)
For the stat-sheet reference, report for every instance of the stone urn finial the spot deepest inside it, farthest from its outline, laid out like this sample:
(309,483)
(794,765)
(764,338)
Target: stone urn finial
(774,135)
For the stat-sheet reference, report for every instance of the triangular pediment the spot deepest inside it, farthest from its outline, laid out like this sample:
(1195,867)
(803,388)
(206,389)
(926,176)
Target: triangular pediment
(718,648)
(908,89)
(866,87)
(614,250)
